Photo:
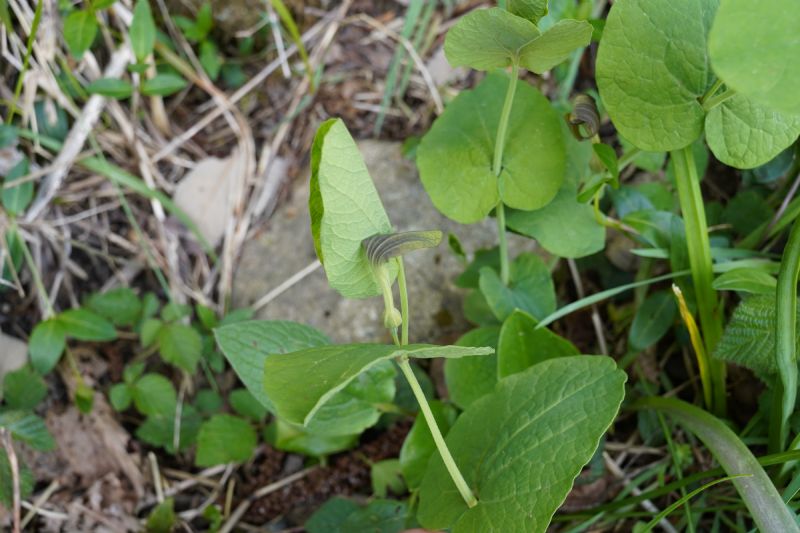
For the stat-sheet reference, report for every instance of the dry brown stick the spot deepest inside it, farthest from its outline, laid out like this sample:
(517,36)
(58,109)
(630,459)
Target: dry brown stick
(5,435)
(40,501)
(77,136)
(596,321)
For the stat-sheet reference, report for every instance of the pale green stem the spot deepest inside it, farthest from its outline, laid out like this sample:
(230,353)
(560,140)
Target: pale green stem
(497,167)
(401,285)
(449,462)
(714,101)
(694,217)
(37,278)
(405,367)
(711,91)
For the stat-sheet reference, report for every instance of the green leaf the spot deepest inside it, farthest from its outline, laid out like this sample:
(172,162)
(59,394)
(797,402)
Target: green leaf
(330,517)
(565,227)
(246,405)
(755,487)
(555,45)
(749,337)
(299,383)
(132,372)
(487,39)
(121,306)
(297,439)
(750,280)
(455,156)
(84,398)
(27,428)
(163,85)
(225,439)
(745,134)
(159,429)
(207,316)
(340,515)
(493,38)
(608,157)
(659,110)
(386,477)
(202,25)
(5,19)
(142,31)
(151,328)
(8,135)
(210,59)
(419,445)
(653,319)
(120,395)
(246,346)
(102,4)
(23,389)
(175,311)
(154,394)
(17,198)
(46,345)
(345,210)
(112,87)
(180,345)
(80,28)
(162,519)
(26,480)
(531,288)
(469,378)
(532,10)
(499,450)
(522,345)
(753,48)
(207,402)
(85,325)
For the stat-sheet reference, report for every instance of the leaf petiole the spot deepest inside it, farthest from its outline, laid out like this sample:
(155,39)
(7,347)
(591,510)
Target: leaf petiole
(497,167)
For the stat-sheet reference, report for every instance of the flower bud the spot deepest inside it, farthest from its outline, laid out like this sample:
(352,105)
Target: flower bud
(392,318)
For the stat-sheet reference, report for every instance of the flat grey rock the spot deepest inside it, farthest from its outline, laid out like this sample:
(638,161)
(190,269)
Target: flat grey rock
(286,247)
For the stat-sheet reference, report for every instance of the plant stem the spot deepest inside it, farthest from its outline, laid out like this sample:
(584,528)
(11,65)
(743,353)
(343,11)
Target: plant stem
(785,393)
(694,216)
(405,367)
(401,285)
(497,167)
(48,310)
(449,462)
(714,101)
(711,91)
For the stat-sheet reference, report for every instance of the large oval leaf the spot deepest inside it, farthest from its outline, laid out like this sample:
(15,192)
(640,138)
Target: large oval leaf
(652,68)
(345,209)
(521,447)
(300,383)
(455,156)
(754,48)
(745,134)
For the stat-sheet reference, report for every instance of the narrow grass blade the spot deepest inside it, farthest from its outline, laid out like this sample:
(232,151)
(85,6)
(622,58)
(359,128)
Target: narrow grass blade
(697,344)
(294,33)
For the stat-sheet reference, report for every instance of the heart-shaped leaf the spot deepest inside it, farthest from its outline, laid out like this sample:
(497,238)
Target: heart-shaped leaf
(754,48)
(555,45)
(523,345)
(521,447)
(300,383)
(652,68)
(745,134)
(345,209)
(469,378)
(532,10)
(419,445)
(455,156)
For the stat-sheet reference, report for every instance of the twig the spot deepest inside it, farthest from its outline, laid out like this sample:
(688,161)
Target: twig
(5,435)
(151,457)
(242,508)
(286,285)
(276,34)
(596,321)
(77,136)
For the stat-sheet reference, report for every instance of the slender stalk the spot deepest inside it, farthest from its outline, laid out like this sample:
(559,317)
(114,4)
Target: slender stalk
(711,91)
(401,285)
(26,60)
(449,462)
(714,101)
(497,167)
(48,310)
(405,367)
(785,335)
(694,216)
